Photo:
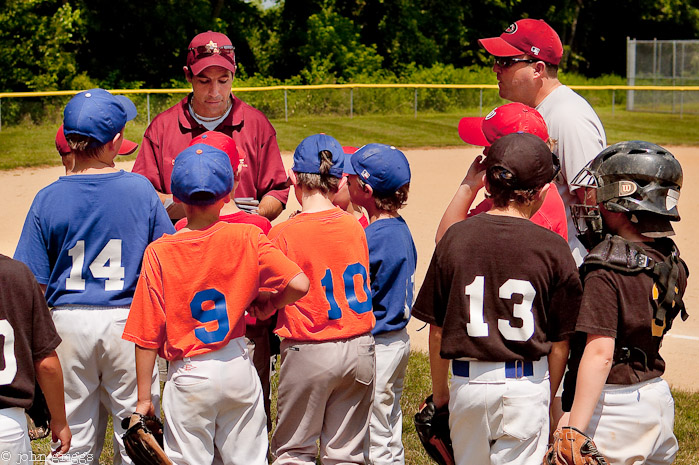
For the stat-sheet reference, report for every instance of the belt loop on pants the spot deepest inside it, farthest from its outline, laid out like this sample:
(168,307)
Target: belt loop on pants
(513,369)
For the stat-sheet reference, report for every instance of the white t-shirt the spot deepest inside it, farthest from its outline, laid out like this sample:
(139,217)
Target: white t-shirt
(580,136)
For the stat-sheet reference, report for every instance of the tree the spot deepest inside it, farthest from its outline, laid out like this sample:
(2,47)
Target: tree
(39,39)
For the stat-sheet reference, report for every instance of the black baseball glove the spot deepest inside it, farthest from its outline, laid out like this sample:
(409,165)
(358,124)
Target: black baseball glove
(143,440)
(432,426)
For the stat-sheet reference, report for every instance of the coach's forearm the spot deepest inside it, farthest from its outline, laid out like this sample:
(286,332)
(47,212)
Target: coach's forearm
(270,207)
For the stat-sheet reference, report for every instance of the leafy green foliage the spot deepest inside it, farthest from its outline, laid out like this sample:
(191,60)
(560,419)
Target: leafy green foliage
(39,39)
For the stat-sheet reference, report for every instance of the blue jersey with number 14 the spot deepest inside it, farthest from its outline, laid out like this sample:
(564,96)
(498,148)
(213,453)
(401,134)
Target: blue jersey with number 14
(85,235)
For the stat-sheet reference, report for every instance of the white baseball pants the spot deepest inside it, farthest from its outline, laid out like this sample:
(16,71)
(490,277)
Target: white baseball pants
(386,423)
(99,375)
(214,400)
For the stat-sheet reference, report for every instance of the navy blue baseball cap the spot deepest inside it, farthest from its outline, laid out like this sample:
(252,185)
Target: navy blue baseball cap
(382,166)
(98,114)
(201,169)
(306,159)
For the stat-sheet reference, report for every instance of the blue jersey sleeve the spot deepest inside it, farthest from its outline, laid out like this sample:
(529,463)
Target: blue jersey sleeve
(392,263)
(31,248)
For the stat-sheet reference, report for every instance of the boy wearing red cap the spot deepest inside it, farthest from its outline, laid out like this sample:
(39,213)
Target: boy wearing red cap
(211,106)
(506,119)
(500,316)
(193,317)
(527,56)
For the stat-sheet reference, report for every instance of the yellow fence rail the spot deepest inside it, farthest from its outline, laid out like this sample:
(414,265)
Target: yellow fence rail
(286,89)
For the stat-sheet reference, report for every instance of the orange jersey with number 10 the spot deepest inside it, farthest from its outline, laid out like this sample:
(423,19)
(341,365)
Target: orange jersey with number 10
(195,286)
(330,247)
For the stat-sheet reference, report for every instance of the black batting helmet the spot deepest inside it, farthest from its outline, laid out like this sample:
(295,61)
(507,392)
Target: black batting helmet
(634,177)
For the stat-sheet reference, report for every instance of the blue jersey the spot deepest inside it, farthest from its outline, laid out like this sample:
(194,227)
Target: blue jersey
(85,235)
(392,262)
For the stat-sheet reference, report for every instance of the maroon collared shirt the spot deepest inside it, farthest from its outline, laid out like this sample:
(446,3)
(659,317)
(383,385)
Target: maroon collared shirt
(172,130)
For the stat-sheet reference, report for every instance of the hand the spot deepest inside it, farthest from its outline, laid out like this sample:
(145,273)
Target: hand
(60,433)
(262,307)
(475,174)
(440,400)
(145,407)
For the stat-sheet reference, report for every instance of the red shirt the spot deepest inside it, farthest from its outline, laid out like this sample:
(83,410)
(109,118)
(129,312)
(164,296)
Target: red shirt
(551,215)
(172,131)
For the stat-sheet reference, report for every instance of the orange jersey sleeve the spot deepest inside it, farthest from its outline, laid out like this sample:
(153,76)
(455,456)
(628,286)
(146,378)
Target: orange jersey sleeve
(330,247)
(195,286)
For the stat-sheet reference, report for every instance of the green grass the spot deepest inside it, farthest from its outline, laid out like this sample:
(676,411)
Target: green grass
(32,145)
(418,386)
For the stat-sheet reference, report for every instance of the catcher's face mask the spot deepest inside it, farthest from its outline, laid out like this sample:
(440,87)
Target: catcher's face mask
(586,216)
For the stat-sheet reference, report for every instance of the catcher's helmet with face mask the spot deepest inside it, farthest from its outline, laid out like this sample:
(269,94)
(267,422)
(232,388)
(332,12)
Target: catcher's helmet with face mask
(638,178)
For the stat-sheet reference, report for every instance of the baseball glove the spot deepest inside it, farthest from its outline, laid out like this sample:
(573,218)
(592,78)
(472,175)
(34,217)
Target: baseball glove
(143,440)
(38,415)
(432,426)
(572,447)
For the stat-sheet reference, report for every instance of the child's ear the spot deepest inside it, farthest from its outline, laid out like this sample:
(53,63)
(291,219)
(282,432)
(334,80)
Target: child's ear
(341,184)
(369,190)
(292,177)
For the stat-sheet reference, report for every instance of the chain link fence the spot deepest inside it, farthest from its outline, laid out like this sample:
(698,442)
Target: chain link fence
(662,63)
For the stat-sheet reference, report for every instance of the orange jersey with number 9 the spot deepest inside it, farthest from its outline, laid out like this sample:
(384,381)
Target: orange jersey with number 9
(331,248)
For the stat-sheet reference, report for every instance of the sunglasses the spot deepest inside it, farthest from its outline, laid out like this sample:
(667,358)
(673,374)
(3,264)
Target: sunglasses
(506,62)
(212,49)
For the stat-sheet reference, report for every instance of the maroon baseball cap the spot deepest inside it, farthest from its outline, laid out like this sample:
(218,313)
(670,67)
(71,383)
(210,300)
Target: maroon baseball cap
(505,119)
(127,147)
(527,160)
(222,142)
(210,49)
(531,37)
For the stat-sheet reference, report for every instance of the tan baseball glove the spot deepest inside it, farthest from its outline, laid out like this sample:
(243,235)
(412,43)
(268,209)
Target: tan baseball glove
(143,440)
(572,447)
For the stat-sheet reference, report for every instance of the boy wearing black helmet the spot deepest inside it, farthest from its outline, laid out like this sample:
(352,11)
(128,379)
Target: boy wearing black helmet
(633,286)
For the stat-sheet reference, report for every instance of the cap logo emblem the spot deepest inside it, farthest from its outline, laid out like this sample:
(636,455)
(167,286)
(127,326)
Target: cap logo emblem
(212,47)
(490,115)
(511,29)
(535,50)
(365,174)
(626,188)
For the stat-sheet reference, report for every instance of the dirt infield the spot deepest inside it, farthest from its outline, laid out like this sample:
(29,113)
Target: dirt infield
(436,173)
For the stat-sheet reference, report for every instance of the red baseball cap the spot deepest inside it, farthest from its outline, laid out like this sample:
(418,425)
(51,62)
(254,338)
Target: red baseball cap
(505,119)
(127,147)
(220,141)
(531,37)
(210,49)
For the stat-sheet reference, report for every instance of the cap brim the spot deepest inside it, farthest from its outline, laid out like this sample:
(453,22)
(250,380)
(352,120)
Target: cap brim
(129,106)
(498,47)
(347,167)
(128,147)
(471,131)
(213,60)
(61,142)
